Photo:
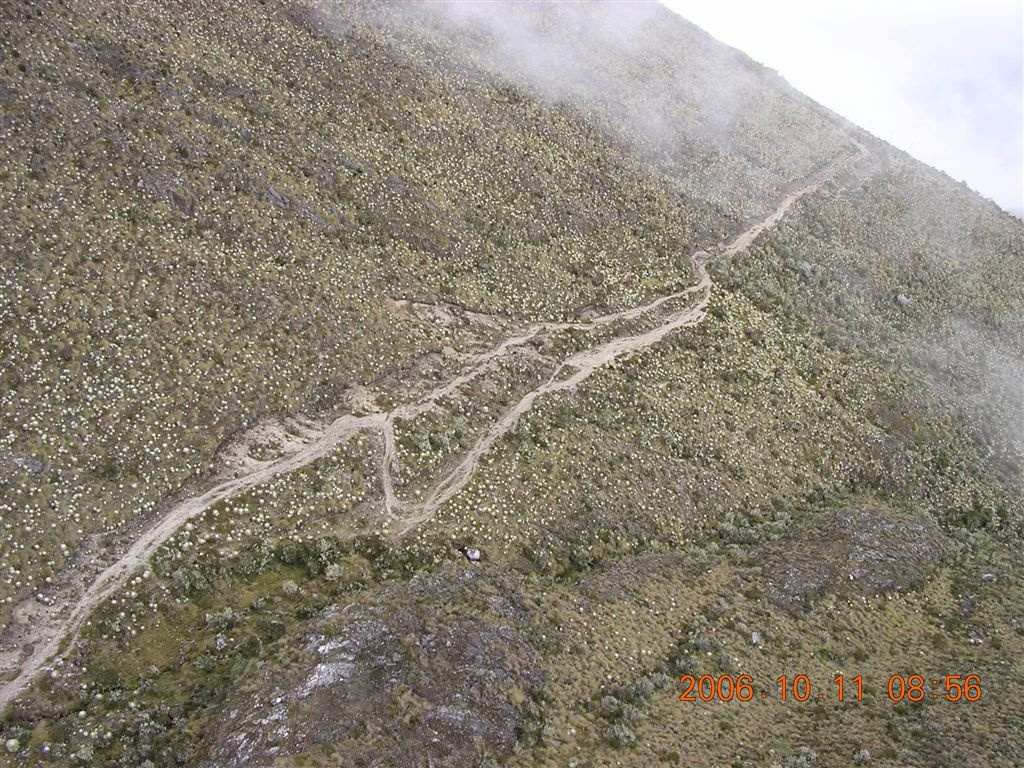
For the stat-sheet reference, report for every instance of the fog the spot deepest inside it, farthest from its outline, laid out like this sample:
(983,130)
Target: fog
(940,79)
(627,59)
(987,380)
(549,48)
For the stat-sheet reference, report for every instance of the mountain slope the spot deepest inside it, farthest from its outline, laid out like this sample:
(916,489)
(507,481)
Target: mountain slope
(240,236)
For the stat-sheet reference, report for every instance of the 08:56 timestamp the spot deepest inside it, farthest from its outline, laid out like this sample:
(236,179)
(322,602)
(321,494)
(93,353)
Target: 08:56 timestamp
(912,688)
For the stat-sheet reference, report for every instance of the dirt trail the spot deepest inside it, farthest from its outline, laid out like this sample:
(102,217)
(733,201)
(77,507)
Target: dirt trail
(588,361)
(48,630)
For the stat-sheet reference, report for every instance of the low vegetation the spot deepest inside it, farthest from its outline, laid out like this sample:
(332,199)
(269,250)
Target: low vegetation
(229,224)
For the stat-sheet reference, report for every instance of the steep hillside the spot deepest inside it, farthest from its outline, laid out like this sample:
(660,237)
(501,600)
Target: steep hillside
(436,384)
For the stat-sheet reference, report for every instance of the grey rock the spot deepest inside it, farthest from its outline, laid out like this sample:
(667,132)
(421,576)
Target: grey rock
(348,165)
(30,463)
(862,548)
(278,199)
(183,201)
(903,300)
(314,218)
(344,678)
(805,269)
(85,754)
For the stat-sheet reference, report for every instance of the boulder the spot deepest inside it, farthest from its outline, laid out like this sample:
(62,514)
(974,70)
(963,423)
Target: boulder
(30,463)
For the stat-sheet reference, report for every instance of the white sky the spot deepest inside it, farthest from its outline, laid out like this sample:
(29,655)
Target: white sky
(941,79)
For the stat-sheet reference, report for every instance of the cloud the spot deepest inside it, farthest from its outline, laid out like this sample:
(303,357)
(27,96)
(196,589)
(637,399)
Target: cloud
(941,80)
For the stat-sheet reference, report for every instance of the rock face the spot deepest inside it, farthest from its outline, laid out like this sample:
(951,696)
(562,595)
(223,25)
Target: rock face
(866,549)
(437,678)
(801,267)
(29,463)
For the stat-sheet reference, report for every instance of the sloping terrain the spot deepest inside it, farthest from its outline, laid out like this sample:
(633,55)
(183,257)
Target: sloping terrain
(303,302)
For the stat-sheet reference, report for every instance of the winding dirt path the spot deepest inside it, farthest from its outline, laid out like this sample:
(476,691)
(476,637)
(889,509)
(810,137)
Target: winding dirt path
(584,363)
(49,630)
